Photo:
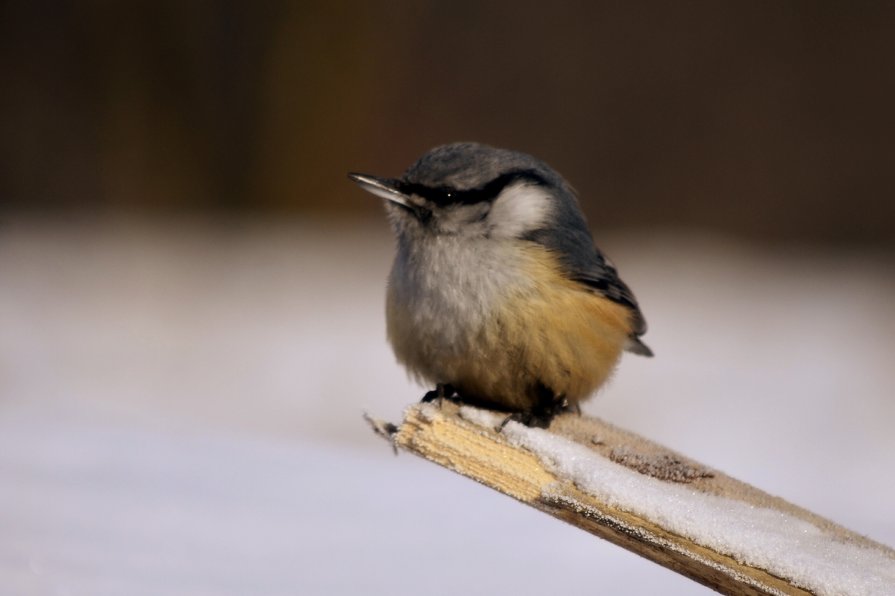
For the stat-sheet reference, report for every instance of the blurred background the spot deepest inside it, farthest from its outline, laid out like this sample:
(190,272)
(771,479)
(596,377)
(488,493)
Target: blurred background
(191,291)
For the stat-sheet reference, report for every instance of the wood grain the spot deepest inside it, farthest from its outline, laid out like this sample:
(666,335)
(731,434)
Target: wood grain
(441,435)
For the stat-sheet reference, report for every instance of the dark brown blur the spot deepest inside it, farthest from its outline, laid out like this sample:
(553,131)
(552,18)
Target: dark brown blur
(767,120)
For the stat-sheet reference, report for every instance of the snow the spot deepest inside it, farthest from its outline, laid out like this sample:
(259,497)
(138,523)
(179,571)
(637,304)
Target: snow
(92,505)
(181,411)
(779,543)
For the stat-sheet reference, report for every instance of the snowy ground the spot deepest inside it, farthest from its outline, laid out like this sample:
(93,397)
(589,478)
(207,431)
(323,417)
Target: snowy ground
(180,411)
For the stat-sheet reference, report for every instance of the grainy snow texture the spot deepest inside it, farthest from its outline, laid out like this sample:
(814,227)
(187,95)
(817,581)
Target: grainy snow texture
(180,411)
(771,540)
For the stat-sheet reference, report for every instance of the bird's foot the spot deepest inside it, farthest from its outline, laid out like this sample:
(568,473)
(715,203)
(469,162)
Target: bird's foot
(542,414)
(442,391)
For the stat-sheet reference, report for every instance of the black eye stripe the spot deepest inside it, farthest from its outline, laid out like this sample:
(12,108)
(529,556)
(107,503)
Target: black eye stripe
(443,196)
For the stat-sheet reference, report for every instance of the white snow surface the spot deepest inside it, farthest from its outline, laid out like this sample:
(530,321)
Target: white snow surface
(181,410)
(771,540)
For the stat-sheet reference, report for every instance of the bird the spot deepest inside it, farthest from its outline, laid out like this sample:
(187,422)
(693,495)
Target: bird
(498,295)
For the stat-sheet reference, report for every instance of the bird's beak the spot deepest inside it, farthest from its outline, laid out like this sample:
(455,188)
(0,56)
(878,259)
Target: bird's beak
(386,188)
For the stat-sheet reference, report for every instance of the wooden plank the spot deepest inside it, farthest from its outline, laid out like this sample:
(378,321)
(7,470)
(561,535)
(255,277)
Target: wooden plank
(442,435)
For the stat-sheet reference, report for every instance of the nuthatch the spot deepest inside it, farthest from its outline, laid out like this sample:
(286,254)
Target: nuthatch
(498,295)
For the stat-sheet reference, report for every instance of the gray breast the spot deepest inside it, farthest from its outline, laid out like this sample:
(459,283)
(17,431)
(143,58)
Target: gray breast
(450,286)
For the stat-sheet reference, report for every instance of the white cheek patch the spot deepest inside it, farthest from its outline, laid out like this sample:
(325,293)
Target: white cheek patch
(518,209)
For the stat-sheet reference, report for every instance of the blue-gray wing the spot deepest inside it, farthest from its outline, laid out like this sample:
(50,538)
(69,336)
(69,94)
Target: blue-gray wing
(605,281)
(583,262)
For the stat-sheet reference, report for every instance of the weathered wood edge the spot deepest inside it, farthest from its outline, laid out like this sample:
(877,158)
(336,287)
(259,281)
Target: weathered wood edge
(443,437)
